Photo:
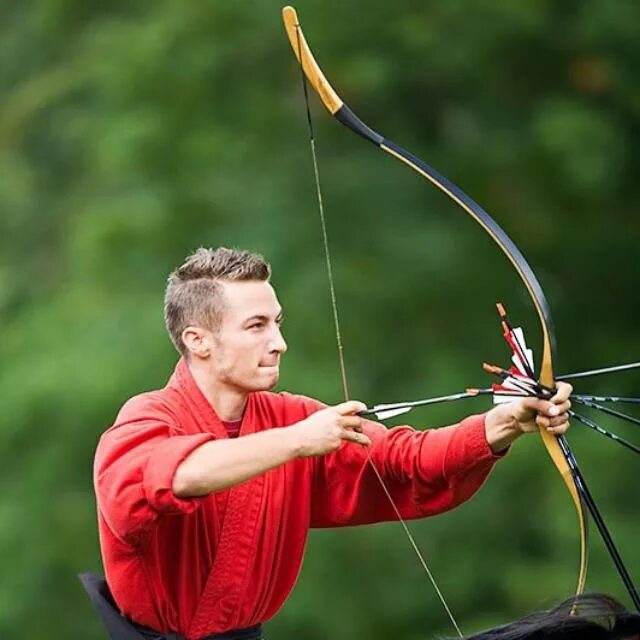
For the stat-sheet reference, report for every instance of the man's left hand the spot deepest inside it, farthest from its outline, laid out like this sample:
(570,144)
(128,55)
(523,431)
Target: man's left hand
(506,422)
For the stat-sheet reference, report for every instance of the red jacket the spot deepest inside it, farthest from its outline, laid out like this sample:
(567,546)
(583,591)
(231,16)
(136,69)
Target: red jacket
(229,560)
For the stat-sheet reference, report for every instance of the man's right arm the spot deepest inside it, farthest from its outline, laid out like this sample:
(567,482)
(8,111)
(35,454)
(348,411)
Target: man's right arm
(220,464)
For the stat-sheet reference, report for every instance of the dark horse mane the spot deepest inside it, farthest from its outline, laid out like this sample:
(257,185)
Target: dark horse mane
(594,616)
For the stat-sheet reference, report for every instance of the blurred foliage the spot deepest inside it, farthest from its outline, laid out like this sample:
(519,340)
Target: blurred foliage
(132,133)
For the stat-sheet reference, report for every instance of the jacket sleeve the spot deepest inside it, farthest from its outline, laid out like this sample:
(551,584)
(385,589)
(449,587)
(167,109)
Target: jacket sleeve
(426,472)
(135,463)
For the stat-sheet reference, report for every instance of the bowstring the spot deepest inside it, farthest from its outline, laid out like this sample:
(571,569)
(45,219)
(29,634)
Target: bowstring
(327,253)
(336,322)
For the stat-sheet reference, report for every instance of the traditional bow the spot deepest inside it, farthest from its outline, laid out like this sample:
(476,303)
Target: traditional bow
(557,447)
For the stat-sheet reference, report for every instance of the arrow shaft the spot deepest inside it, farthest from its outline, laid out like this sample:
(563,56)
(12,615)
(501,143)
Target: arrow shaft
(611,412)
(596,427)
(598,372)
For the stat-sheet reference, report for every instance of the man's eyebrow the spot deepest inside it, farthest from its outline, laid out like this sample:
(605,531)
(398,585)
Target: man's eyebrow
(262,318)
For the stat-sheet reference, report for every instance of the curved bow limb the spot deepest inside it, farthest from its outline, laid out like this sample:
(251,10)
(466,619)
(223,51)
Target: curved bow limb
(557,448)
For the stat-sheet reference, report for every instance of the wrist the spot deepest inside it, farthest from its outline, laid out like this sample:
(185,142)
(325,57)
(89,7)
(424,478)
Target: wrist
(501,428)
(293,441)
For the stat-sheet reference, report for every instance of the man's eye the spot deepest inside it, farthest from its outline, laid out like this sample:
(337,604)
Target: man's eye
(257,325)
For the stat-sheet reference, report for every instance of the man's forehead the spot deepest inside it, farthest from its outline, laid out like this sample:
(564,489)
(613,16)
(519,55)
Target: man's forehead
(248,298)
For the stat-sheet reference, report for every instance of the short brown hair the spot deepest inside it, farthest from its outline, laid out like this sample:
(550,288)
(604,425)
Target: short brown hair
(193,295)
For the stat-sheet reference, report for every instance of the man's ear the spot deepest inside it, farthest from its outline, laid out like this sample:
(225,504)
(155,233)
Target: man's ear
(197,341)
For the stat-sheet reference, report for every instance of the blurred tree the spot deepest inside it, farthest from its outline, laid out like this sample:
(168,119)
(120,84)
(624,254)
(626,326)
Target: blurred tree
(132,133)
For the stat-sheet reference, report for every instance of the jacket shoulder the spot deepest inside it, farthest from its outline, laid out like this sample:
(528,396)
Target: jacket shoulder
(139,412)
(286,407)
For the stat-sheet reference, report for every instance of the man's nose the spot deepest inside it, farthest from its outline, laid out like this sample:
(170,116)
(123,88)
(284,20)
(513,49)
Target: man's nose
(278,342)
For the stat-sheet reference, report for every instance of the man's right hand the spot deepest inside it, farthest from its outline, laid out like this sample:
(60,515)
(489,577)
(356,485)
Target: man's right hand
(324,431)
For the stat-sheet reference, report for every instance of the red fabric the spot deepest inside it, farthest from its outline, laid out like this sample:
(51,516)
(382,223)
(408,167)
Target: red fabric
(229,560)
(233,428)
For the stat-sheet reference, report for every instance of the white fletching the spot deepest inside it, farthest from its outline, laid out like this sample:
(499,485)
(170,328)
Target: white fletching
(528,353)
(508,385)
(515,384)
(385,414)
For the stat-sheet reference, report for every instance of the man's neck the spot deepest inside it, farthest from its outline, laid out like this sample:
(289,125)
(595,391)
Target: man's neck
(228,403)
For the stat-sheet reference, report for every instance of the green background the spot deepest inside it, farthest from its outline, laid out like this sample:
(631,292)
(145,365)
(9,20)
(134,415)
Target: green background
(132,133)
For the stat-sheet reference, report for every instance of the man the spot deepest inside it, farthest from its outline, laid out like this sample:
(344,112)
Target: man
(206,489)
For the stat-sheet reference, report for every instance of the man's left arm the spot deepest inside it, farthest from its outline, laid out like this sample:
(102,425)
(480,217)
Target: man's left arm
(425,472)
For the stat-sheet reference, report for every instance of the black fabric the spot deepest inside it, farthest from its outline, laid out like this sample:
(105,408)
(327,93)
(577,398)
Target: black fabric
(121,628)
(250,633)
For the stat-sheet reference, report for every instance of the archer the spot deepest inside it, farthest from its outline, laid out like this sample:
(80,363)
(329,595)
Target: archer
(207,488)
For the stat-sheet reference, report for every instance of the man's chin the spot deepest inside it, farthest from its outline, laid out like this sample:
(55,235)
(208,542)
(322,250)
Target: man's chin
(268,379)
